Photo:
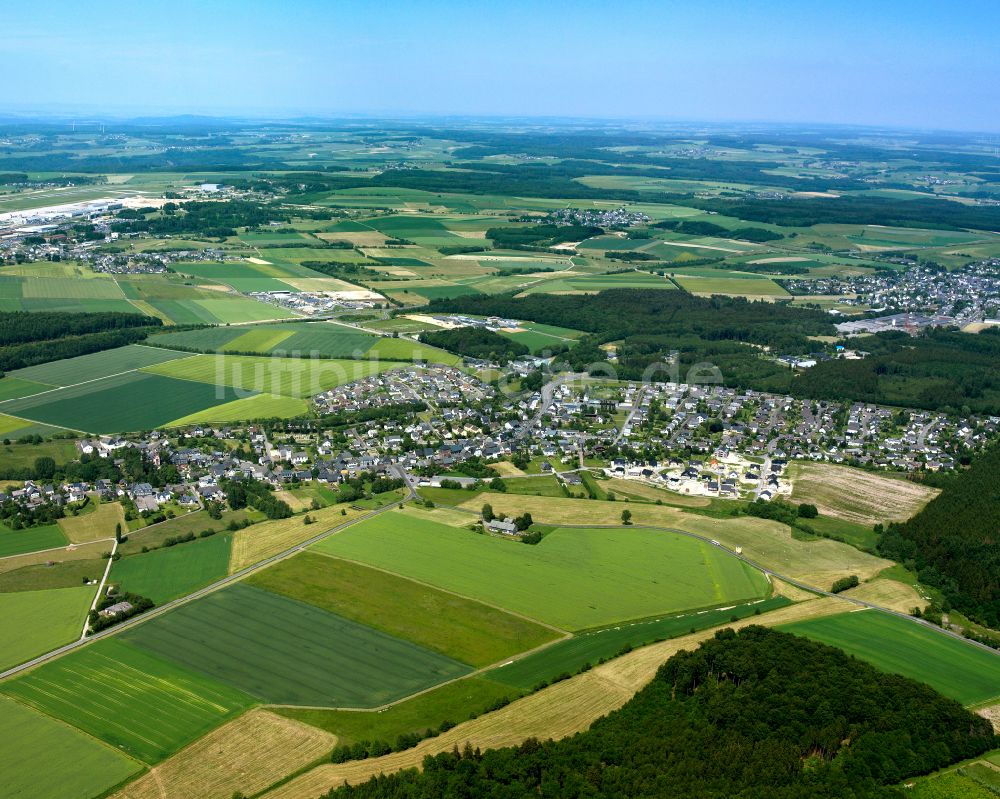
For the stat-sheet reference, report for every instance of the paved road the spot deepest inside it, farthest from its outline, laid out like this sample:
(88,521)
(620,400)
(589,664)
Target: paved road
(232,578)
(636,406)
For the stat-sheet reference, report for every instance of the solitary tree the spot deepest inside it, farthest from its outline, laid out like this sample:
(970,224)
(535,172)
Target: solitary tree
(626,516)
(118,532)
(488,513)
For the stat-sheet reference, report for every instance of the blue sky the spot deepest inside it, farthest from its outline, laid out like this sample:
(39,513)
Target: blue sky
(880,62)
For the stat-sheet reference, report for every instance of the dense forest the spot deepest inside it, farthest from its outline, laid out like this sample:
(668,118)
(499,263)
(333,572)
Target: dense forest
(28,339)
(212,219)
(758,713)
(938,370)
(696,228)
(539,236)
(475,342)
(17,327)
(952,543)
(861,210)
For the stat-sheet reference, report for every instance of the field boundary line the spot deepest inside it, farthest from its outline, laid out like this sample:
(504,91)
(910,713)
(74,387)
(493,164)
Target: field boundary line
(55,549)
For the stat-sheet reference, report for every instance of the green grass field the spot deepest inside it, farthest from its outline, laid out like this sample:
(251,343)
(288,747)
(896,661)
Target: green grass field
(53,761)
(732,286)
(219,310)
(574,579)
(54,574)
(289,652)
(402,349)
(290,377)
(13,387)
(458,628)
(98,364)
(32,539)
(145,705)
(166,574)
(131,401)
(454,702)
(956,669)
(571,655)
(38,621)
(62,452)
(259,406)
(542,485)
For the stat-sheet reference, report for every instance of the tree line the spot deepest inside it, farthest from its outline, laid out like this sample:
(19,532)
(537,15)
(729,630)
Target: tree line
(952,543)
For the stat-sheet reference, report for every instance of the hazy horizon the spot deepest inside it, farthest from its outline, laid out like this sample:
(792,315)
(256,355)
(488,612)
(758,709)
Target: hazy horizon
(900,65)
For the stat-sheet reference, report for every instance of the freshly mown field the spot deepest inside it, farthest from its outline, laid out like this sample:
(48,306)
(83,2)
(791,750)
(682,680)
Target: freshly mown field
(569,656)
(95,523)
(459,628)
(38,621)
(44,759)
(254,544)
(289,652)
(290,377)
(142,704)
(71,371)
(31,539)
(131,401)
(573,579)
(855,495)
(956,669)
(246,755)
(165,574)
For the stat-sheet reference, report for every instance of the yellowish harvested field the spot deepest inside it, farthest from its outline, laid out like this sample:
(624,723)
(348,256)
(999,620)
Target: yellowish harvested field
(889,594)
(294,502)
(645,491)
(991,712)
(72,552)
(558,711)
(247,755)
(856,495)
(263,540)
(817,563)
(94,526)
(507,469)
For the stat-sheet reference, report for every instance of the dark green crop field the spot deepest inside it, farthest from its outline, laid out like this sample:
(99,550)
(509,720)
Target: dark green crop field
(288,652)
(956,669)
(460,628)
(132,401)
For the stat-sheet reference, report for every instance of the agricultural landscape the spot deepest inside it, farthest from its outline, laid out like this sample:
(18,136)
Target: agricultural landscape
(350,448)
